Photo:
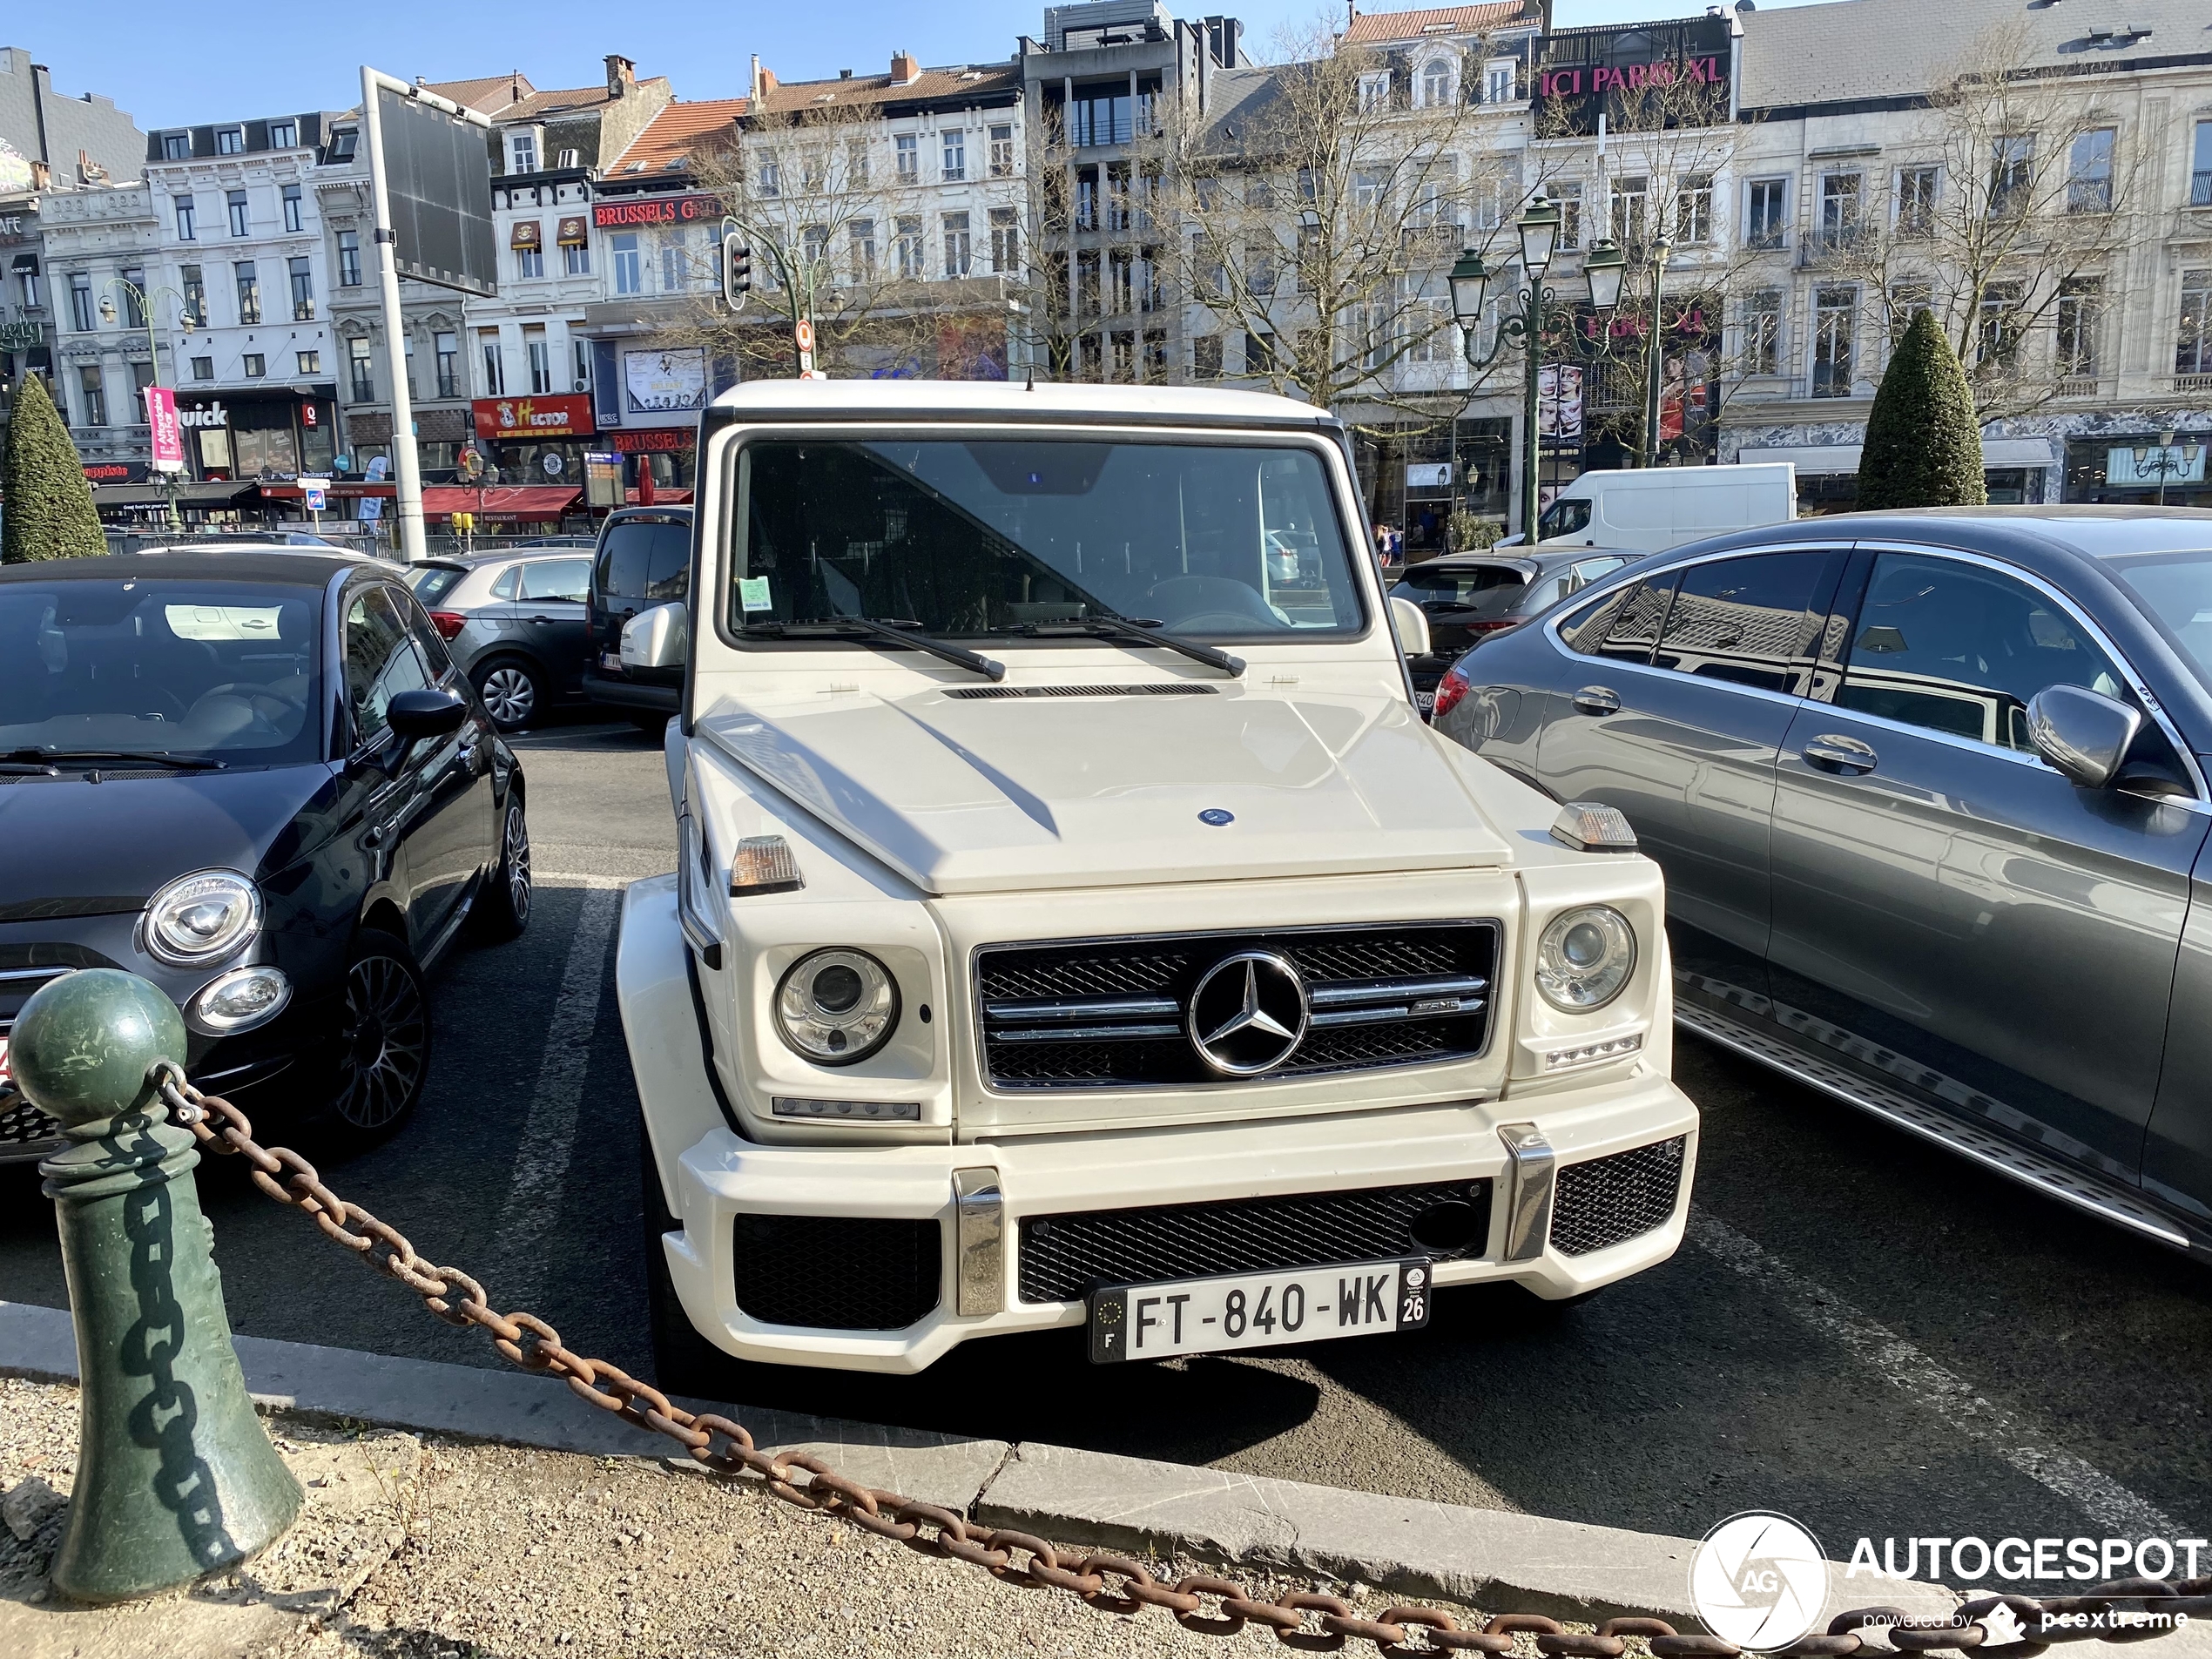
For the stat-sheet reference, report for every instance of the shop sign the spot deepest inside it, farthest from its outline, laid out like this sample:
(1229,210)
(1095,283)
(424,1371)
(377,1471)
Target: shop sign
(22,336)
(1436,475)
(660,383)
(115,472)
(204,415)
(654,441)
(655,210)
(558,414)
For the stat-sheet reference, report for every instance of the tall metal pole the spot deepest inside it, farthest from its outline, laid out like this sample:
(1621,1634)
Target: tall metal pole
(1534,341)
(406,470)
(1654,359)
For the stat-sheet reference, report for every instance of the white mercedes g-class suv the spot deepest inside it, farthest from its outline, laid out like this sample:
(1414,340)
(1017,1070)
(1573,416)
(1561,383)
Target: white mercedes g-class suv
(1075,924)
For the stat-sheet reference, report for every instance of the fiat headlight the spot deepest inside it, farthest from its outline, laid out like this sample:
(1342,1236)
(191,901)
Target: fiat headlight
(201,918)
(1584,958)
(836,1006)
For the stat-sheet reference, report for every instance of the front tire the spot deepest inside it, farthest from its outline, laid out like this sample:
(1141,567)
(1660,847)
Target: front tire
(383,1041)
(505,908)
(513,691)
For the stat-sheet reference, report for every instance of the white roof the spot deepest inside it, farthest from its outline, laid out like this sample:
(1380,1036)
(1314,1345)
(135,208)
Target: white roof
(1200,406)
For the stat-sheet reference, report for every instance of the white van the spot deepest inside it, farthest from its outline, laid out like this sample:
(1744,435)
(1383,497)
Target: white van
(1650,509)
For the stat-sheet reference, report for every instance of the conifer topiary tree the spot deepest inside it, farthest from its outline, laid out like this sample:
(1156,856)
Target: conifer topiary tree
(48,504)
(1923,442)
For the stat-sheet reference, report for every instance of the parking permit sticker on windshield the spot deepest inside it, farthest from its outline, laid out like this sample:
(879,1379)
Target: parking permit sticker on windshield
(752,593)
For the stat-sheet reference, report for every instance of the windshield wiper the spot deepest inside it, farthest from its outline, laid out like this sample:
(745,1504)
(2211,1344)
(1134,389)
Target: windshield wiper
(46,758)
(897,631)
(1103,627)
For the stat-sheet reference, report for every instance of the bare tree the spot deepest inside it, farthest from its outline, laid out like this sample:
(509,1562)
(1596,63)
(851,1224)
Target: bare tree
(2005,215)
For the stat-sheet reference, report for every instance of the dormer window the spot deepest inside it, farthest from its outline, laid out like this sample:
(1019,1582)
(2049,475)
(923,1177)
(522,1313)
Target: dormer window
(230,141)
(566,159)
(1374,91)
(1498,82)
(176,146)
(343,143)
(284,135)
(1436,83)
(521,153)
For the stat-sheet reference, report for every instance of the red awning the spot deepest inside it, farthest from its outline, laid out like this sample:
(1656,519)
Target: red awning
(522,503)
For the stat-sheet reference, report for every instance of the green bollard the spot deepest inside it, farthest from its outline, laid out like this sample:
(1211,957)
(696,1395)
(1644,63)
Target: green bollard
(175,1477)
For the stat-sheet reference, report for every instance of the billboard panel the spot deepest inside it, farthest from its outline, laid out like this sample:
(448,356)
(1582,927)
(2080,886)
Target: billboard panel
(437,172)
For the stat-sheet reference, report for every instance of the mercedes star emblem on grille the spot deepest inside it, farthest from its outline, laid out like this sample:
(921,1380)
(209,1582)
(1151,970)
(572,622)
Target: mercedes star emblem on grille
(1248,1013)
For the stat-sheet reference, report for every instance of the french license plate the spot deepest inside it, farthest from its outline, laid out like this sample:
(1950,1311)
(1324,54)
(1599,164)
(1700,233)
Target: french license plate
(611,661)
(1237,1310)
(1425,701)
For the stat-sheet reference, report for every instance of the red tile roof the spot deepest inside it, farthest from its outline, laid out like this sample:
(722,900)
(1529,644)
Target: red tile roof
(789,98)
(674,135)
(1375,28)
(488,94)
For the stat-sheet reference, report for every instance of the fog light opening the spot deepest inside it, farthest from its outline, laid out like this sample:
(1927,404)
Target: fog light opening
(1448,1228)
(239,1001)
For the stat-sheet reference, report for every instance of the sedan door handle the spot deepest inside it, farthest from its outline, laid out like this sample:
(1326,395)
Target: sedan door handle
(1842,753)
(540,618)
(1596,699)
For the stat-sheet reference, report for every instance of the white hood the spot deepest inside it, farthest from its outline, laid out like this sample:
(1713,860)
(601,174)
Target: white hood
(1004,794)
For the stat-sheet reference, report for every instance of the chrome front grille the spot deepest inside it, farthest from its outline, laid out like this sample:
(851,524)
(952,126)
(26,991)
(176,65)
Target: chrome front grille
(1114,1013)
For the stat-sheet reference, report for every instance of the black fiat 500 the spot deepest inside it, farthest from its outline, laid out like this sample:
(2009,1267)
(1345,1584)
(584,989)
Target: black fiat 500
(258,780)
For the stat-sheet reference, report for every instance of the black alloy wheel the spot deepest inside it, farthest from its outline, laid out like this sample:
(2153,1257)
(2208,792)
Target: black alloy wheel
(503,907)
(383,1038)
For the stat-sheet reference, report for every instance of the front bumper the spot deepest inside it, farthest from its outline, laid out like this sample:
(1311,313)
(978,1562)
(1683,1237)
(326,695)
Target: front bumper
(714,1180)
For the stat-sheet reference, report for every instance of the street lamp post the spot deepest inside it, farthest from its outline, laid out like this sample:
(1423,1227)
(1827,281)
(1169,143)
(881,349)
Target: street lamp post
(1653,359)
(143,298)
(1601,269)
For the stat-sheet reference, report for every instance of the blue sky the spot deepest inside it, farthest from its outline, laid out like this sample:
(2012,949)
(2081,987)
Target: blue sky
(168,64)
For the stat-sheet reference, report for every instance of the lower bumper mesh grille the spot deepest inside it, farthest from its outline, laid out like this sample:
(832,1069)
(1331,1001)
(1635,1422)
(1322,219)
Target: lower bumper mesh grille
(1063,1257)
(1610,1200)
(837,1272)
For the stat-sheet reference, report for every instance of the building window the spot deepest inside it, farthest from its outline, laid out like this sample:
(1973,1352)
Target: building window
(230,141)
(27,280)
(2080,322)
(521,149)
(577,258)
(1101,115)
(1916,200)
(407,358)
(1374,91)
(768,178)
(292,208)
(88,380)
(583,353)
(254,364)
(1005,241)
(310,362)
(249,292)
(630,275)
(1567,194)
(537,351)
(195,295)
(1260,267)
(447,347)
(1768,225)
(2088,172)
(343,143)
(238,223)
(1436,83)
(359,371)
(1840,194)
(861,234)
(284,135)
(203,368)
(958,253)
(675,266)
(184,231)
(1834,313)
(1763,332)
(2193,340)
(1629,197)
(495,368)
(176,146)
(2200,168)
(956,157)
(1998,325)
(80,308)
(350,258)
(1907,301)
(529,262)
(134,288)
(1368,185)
(2011,174)
(911,256)
(1499,82)
(1259,354)
(303,290)
(909,150)
(1694,209)
(1205,358)
(1003,151)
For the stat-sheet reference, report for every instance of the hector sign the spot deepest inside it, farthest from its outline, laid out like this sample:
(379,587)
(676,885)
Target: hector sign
(553,415)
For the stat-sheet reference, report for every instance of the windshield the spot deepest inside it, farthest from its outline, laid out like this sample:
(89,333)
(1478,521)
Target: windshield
(1489,589)
(992,537)
(226,669)
(1563,517)
(2176,589)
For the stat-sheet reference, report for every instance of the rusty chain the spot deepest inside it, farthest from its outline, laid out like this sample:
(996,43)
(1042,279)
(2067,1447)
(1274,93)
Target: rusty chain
(1210,1606)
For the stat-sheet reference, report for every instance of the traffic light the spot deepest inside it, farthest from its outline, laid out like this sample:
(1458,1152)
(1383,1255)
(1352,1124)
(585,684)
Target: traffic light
(737,270)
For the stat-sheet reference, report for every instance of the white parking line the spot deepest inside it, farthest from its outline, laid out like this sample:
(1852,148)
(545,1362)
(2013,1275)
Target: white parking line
(1943,1392)
(548,1134)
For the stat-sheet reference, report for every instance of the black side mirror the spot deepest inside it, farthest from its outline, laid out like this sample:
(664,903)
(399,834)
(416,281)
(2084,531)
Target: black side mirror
(429,713)
(2083,733)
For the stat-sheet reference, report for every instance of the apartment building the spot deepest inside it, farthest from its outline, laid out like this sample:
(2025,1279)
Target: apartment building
(101,245)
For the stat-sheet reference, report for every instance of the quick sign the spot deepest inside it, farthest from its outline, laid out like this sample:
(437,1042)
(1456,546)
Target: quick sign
(655,210)
(562,415)
(204,415)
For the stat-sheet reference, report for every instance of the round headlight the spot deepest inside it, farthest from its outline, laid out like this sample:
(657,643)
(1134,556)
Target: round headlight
(836,1006)
(239,1000)
(201,918)
(1584,958)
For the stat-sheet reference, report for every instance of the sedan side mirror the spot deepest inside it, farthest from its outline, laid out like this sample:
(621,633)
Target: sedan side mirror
(428,713)
(1411,625)
(660,638)
(2083,733)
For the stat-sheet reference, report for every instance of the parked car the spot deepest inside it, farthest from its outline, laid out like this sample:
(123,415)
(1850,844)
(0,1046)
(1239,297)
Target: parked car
(644,559)
(259,780)
(1027,964)
(515,624)
(1467,596)
(1929,792)
(1652,509)
(251,542)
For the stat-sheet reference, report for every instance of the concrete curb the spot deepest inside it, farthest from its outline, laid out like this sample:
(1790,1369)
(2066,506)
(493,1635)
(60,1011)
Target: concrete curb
(1492,1558)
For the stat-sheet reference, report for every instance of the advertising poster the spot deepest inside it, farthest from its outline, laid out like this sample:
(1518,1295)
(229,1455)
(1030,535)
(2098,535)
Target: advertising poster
(666,379)
(168,434)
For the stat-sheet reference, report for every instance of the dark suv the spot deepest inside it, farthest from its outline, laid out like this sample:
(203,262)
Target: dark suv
(644,560)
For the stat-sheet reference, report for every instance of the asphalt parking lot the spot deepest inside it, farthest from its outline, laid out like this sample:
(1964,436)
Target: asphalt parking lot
(1864,1332)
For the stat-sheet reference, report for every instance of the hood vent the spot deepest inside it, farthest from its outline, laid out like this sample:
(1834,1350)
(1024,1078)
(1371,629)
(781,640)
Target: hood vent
(1172,688)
